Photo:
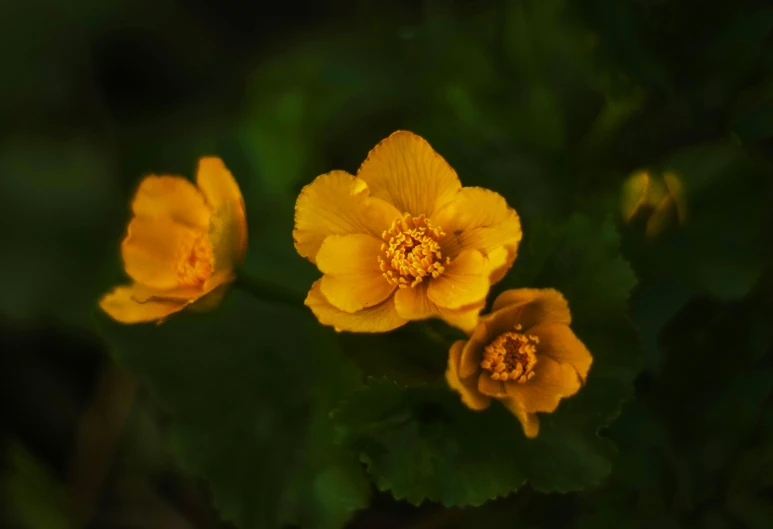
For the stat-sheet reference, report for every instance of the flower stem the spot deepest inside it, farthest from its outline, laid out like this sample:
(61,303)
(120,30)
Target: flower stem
(266,291)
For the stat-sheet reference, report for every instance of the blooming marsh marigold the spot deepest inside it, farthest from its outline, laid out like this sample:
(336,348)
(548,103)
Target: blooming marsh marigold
(523,354)
(182,244)
(402,240)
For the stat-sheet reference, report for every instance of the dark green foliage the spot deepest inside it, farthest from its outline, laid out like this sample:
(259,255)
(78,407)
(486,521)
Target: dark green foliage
(551,103)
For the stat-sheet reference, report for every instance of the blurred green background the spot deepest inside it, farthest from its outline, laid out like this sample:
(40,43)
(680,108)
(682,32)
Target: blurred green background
(551,103)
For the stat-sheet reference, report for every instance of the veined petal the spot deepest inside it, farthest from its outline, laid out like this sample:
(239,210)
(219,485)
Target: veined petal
(463,282)
(153,248)
(337,203)
(121,305)
(551,382)
(173,197)
(559,343)
(228,224)
(471,397)
(381,318)
(480,219)
(353,280)
(405,171)
(538,306)
(529,421)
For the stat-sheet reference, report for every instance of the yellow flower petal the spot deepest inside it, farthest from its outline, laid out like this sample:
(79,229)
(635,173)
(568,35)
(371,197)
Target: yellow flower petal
(636,190)
(471,397)
(121,306)
(143,293)
(480,219)
(153,249)
(471,356)
(529,421)
(465,318)
(337,203)
(489,386)
(559,343)
(211,300)
(405,171)
(551,382)
(529,306)
(352,279)
(173,197)
(228,224)
(463,282)
(381,318)
(414,304)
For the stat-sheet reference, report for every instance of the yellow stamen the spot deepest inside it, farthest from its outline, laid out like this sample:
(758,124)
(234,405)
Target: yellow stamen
(411,251)
(511,356)
(195,263)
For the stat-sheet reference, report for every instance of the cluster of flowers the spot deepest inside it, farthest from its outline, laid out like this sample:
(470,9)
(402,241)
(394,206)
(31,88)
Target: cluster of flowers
(400,241)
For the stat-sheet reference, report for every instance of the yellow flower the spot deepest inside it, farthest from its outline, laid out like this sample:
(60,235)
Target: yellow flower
(402,240)
(182,244)
(523,354)
(657,200)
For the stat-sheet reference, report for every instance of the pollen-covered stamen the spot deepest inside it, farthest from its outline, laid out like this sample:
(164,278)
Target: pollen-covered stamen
(195,264)
(411,251)
(511,356)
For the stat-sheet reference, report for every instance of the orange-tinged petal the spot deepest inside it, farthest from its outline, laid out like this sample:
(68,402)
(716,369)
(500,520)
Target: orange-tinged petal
(471,397)
(465,318)
(143,293)
(529,421)
(414,304)
(551,382)
(153,249)
(471,356)
(539,306)
(228,224)
(211,300)
(353,279)
(381,318)
(463,282)
(480,219)
(499,262)
(173,197)
(489,386)
(405,171)
(337,203)
(121,306)
(559,343)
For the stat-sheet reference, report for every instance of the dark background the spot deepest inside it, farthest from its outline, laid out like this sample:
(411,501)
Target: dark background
(553,104)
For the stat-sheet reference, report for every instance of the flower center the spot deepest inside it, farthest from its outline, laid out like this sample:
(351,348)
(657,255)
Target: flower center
(511,356)
(196,261)
(411,251)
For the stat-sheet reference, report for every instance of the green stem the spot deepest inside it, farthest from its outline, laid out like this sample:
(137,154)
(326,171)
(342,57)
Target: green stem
(266,291)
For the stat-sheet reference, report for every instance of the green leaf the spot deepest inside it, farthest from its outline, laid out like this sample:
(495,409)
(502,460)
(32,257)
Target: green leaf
(422,443)
(249,388)
(35,497)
